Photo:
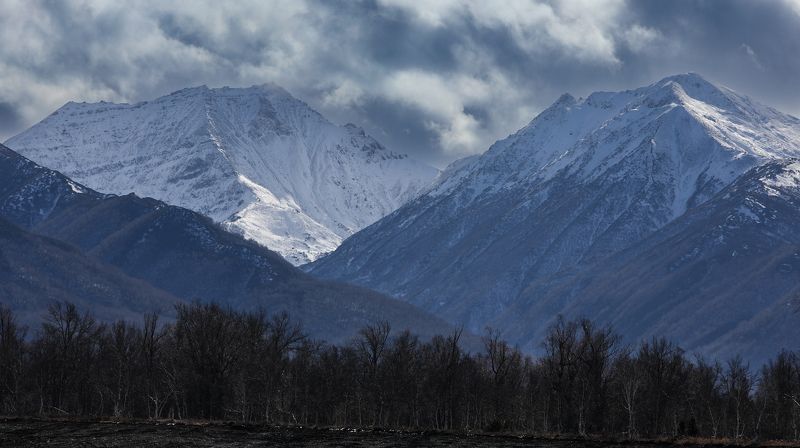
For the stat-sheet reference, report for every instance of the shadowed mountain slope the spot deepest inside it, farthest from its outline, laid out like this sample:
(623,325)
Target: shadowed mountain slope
(587,180)
(188,255)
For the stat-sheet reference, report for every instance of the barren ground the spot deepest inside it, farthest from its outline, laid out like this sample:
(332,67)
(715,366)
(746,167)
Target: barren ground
(35,433)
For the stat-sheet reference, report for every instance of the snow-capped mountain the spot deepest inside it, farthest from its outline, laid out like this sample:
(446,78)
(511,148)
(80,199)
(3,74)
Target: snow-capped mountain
(582,182)
(256,159)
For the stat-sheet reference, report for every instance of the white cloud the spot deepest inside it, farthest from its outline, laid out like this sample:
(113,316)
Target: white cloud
(795,4)
(752,56)
(108,50)
(469,71)
(639,38)
(346,93)
(583,29)
(444,101)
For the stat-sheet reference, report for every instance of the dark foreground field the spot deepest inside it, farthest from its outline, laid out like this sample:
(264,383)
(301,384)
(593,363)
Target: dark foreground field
(35,433)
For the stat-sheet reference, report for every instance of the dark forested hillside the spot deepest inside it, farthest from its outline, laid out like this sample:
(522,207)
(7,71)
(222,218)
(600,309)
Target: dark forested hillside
(187,255)
(35,271)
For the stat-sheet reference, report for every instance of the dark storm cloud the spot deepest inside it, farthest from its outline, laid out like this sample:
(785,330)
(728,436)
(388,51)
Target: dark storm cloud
(10,118)
(395,41)
(407,130)
(753,46)
(189,34)
(439,80)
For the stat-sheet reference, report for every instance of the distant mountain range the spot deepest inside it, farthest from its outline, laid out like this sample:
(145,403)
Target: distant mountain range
(121,256)
(669,210)
(256,159)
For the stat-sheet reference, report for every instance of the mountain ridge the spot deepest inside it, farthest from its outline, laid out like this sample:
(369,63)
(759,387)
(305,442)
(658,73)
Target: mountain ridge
(584,180)
(256,159)
(36,271)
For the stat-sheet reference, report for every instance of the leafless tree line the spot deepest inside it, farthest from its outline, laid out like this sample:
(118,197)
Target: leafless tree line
(215,363)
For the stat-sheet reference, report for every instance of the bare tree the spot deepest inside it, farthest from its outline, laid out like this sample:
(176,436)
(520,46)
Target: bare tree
(12,338)
(737,385)
(629,381)
(216,363)
(562,354)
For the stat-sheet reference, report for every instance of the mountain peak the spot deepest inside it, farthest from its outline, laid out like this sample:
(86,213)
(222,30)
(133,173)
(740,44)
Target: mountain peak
(256,159)
(271,87)
(692,122)
(687,87)
(565,99)
(190,91)
(269,90)
(687,79)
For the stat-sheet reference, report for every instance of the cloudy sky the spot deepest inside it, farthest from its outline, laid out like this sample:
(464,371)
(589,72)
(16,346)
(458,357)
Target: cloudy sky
(438,79)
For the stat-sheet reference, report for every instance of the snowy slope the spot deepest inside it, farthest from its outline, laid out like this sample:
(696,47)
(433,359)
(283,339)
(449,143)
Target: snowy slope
(714,132)
(256,159)
(582,182)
